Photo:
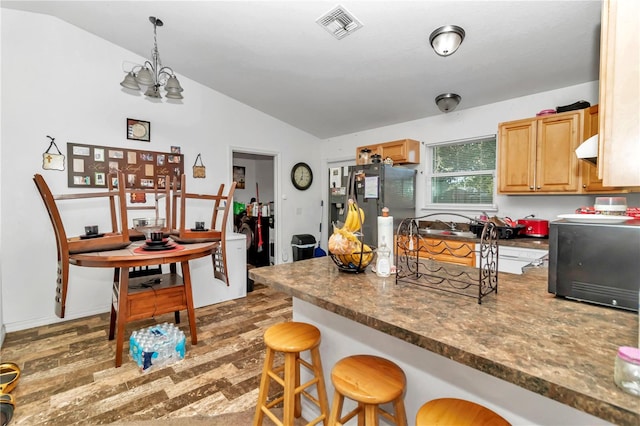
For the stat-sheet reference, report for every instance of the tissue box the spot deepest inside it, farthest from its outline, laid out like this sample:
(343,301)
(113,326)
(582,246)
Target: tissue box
(158,345)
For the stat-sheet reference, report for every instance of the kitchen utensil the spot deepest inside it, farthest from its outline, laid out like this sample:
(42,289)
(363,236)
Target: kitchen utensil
(538,228)
(318,251)
(504,231)
(594,218)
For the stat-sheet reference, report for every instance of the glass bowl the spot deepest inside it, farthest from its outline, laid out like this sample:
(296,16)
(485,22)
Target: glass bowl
(147,225)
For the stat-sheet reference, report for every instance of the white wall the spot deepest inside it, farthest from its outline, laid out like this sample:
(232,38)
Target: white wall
(61,81)
(474,122)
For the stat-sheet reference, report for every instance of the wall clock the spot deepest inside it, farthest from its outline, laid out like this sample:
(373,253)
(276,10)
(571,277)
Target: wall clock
(301,176)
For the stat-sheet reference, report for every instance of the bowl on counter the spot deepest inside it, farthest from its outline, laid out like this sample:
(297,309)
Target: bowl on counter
(149,225)
(615,206)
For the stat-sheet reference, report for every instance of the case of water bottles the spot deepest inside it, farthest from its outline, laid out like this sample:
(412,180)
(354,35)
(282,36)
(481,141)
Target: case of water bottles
(157,346)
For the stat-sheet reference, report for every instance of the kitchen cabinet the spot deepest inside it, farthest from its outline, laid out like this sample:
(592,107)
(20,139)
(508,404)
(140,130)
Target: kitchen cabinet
(403,151)
(591,183)
(619,127)
(537,155)
(450,251)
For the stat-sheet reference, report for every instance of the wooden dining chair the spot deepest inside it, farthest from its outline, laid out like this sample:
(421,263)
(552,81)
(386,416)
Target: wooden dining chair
(156,199)
(116,239)
(217,231)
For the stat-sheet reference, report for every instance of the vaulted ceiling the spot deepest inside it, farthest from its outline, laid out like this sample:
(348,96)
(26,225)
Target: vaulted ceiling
(273,56)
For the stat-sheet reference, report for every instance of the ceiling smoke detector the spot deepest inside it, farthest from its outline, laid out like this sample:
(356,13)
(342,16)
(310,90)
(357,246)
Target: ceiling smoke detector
(339,23)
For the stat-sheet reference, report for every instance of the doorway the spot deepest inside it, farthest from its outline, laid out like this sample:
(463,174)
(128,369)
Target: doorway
(254,205)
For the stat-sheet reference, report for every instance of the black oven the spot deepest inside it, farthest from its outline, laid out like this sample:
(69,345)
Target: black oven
(598,263)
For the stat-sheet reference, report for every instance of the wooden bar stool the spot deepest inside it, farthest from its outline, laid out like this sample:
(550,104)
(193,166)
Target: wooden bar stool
(457,412)
(291,338)
(370,381)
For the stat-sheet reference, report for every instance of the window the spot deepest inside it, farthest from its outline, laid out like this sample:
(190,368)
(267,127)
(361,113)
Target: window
(461,174)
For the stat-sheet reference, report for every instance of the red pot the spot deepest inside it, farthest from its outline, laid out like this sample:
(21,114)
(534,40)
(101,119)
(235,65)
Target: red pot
(534,227)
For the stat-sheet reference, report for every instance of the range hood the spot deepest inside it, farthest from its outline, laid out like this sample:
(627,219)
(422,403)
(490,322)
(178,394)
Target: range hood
(588,150)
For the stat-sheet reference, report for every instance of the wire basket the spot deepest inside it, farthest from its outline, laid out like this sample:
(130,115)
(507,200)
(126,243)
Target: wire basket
(357,255)
(354,262)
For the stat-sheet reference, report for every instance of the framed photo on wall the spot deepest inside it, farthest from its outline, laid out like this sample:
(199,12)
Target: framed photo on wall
(238,176)
(138,130)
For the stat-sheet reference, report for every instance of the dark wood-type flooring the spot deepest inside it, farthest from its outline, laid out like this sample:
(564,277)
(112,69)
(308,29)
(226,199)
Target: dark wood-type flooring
(68,373)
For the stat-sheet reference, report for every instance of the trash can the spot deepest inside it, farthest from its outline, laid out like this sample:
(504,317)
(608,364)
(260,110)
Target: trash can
(303,246)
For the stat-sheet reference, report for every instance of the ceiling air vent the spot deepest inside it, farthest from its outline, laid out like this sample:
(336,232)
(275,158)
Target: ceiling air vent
(339,22)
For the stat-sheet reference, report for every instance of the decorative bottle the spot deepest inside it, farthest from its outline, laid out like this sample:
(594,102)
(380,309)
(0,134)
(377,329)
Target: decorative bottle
(383,262)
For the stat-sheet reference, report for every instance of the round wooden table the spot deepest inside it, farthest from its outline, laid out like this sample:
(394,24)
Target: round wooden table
(162,293)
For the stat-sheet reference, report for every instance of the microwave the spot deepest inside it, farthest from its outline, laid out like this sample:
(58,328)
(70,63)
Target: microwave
(596,262)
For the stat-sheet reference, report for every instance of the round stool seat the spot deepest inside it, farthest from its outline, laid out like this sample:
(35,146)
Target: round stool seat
(368,379)
(292,337)
(457,412)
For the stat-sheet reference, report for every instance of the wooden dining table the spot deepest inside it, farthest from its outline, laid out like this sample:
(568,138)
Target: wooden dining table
(147,296)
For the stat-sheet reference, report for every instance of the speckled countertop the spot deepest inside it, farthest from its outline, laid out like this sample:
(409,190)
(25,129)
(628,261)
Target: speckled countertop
(561,349)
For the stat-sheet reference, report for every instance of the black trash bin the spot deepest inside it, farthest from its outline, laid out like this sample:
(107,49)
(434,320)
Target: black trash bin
(303,246)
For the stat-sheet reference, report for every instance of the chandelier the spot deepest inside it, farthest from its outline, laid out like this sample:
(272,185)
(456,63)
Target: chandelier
(152,74)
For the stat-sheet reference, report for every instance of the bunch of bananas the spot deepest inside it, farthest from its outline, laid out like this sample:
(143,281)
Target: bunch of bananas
(352,222)
(345,245)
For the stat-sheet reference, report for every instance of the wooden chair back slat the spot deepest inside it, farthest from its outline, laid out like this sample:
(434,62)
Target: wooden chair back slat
(65,245)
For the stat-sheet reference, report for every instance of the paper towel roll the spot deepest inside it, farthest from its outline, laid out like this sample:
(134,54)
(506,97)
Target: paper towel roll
(385,229)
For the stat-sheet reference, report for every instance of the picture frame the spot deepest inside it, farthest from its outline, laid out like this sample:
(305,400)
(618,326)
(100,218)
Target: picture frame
(92,166)
(138,130)
(238,176)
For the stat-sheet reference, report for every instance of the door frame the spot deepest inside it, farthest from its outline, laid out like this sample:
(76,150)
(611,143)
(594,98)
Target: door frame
(275,156)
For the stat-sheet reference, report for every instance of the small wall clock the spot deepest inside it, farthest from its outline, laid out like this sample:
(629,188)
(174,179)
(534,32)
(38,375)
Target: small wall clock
(301,176)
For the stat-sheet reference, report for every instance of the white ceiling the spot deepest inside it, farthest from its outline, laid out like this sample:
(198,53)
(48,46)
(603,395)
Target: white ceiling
(273,56)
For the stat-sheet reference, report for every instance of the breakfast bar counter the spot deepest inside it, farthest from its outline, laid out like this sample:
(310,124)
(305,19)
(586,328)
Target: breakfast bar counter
(526,353)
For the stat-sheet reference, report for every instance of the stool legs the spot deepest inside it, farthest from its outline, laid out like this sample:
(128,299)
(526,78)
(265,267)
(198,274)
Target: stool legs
(264,387)
(291,339)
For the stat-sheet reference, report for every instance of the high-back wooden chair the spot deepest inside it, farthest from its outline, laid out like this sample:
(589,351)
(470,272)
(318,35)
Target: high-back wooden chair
(217,231)
(156,199)
(116,239)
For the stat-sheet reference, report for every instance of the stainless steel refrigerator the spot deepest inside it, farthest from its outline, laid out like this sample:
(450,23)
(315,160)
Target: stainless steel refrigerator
(374,186)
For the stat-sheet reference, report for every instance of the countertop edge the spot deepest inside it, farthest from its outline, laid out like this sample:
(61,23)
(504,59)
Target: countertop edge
(570,397)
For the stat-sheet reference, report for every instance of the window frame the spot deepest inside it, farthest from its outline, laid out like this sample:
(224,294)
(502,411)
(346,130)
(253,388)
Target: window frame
(428,175)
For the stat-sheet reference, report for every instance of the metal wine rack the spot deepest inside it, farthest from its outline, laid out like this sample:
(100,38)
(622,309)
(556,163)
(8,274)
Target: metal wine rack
(414,267)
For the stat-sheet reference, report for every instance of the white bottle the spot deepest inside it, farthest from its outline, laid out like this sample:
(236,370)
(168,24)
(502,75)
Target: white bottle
(383,262)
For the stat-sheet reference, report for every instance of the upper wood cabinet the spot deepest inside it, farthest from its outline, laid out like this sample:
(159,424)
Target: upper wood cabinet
(403,151)
(619,126)
(591,183)
(537,155)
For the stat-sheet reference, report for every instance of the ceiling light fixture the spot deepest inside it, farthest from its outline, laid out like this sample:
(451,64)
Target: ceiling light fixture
(447,102)
(152,74)
(446,40)
(339,22)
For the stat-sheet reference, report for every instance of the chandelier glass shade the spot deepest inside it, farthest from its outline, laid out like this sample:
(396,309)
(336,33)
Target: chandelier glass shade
(152,74)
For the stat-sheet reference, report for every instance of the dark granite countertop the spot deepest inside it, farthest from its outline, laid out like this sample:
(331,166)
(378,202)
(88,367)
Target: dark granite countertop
(561,349)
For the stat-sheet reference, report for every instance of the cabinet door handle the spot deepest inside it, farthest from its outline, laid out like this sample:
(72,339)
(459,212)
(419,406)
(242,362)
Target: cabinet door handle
(531,187)
(538,187)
